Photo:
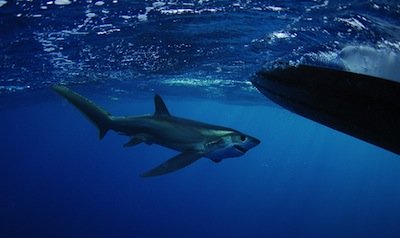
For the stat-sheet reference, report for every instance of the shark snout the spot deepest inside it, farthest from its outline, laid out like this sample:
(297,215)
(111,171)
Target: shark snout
(256,141)
(253,141)
(247,144)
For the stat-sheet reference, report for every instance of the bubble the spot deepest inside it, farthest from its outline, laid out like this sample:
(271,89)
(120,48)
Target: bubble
(2,3)
(99,3)
(62,2)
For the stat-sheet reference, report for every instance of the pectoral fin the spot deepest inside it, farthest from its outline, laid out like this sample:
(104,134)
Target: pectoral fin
(134,141)
(137,139)
(216,160)
(178,162)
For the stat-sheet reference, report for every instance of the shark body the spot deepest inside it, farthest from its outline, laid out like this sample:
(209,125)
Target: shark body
(192,138)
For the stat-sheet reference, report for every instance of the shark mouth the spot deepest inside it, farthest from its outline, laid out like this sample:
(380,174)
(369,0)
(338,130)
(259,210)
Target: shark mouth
(240,149)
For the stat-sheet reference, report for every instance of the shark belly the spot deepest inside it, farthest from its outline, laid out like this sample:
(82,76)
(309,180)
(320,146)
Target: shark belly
(219,154)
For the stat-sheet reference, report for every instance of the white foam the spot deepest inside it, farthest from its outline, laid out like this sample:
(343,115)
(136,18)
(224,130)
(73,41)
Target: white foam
(62,2)
(381,62)
(177,11)
(354,23)
(142,17)
(158,4)
(395,45)
(126,17)
(91,14)
(324,4)
(14,88)
(274,9)
(2,3)
(50,49)
(74,32)
(103,26)
(210,85)
(212,10)
(99,3)
(281,35)
(325,57)
(194,82)
(107,32)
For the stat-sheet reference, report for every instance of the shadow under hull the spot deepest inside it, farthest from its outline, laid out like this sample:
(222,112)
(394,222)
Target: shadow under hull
(362,106)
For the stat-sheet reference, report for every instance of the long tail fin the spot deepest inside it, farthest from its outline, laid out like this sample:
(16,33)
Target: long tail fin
(94,113)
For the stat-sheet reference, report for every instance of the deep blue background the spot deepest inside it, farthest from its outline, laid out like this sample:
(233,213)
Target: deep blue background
(304,180)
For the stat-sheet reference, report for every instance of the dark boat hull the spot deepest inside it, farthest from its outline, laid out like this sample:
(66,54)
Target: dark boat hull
(362,106)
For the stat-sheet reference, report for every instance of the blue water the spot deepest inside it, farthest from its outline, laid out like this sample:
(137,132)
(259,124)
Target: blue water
(304,179)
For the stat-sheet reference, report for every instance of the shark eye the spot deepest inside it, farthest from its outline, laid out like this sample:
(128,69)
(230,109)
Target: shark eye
(242,138)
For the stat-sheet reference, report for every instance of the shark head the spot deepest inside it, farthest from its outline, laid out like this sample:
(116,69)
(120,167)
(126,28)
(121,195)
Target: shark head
(233,144)
(243,143)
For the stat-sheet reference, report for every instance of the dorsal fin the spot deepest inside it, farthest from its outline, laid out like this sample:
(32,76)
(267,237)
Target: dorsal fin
(161,109)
